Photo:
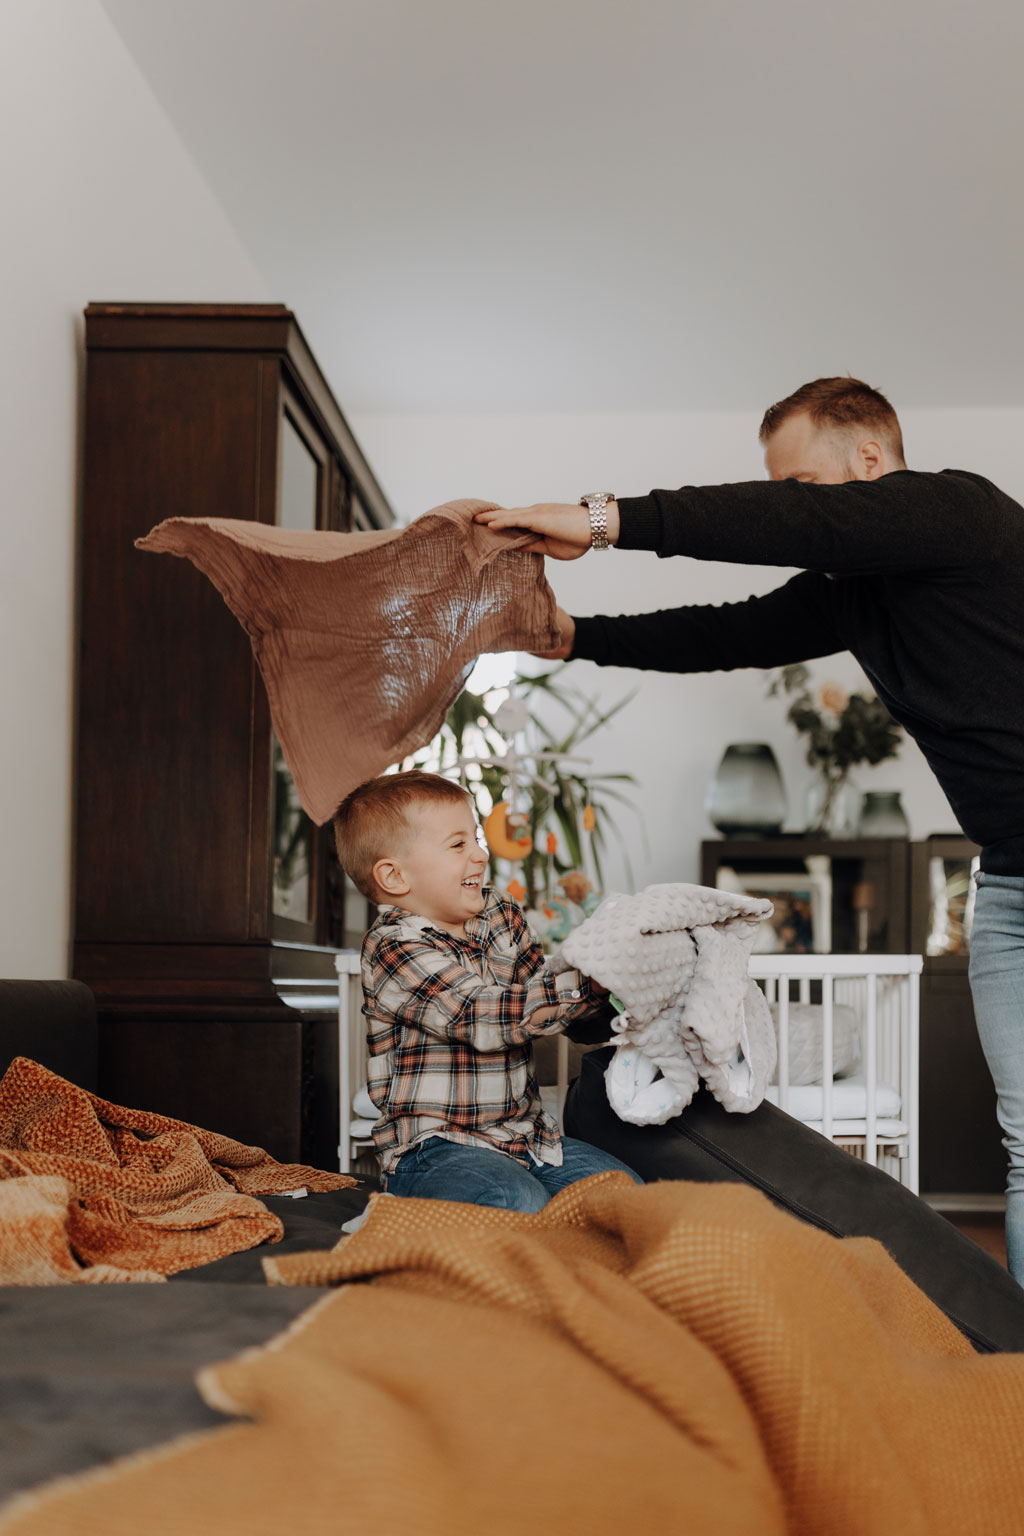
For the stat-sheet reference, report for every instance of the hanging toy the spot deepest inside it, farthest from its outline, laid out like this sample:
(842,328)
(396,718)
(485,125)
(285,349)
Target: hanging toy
(588,899)
(516,889)
(551,922)
(576,887)
(589,820)
(506,833)
(550,846)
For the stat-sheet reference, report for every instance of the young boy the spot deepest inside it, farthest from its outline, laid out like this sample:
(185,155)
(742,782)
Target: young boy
(455,991)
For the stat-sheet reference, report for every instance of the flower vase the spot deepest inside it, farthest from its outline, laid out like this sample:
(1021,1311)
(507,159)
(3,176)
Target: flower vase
(882,815)
(746,798)
(833,805)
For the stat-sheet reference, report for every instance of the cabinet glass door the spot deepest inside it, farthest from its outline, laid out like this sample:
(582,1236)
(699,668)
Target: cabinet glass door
(301,491)
(951,890)
(293,838)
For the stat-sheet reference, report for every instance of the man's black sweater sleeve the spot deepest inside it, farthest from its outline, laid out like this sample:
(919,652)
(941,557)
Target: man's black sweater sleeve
(903,521)
(793,623)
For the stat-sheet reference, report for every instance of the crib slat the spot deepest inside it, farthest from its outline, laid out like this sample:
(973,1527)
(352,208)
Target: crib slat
(828,1061)
(871,1071)
(783,1069)
(911,1110)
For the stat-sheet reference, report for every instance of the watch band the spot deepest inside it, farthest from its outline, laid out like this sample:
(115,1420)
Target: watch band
(595,503)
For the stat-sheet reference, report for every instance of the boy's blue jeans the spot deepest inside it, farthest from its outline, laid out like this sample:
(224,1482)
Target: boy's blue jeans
(436,1169)
(997,988)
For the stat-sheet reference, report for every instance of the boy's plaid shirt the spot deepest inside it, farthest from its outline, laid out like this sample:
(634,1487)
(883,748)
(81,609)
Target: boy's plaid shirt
(449,1031)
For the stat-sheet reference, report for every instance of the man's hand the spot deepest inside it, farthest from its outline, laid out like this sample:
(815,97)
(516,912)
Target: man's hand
(563,531)
(567,626)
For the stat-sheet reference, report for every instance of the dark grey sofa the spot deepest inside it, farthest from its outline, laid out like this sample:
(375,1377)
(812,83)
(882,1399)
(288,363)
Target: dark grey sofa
(52,1022)
(91,1372)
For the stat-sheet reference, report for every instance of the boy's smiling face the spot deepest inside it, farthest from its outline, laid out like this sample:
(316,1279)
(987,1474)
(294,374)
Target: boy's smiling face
(437,869)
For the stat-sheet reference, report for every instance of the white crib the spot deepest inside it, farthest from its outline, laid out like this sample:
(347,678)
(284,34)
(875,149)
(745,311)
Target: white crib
(874,1112)
(354,1132)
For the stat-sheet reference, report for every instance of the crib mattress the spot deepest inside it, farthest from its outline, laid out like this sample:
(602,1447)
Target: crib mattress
(849,1100)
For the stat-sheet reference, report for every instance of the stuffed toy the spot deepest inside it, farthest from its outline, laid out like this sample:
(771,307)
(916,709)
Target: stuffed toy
(677,956)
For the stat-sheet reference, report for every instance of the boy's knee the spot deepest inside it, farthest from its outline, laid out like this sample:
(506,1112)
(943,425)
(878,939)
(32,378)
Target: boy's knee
(524,1194)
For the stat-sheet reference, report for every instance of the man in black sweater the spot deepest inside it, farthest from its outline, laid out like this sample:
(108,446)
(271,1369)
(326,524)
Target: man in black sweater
(921,576)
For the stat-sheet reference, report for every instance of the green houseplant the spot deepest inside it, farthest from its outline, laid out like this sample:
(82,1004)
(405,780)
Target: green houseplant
(555,791)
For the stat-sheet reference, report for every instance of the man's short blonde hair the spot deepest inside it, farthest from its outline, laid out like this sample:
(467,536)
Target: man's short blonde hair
(371,822)
(839,404)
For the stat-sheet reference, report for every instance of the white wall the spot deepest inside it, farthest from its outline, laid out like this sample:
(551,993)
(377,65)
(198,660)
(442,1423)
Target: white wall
(672,735)
(100,202)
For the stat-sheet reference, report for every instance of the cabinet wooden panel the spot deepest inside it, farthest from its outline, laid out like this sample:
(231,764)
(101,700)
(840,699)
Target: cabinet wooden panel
(200,411)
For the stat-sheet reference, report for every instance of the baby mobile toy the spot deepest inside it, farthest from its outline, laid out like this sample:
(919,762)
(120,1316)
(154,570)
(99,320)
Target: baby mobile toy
(507,830)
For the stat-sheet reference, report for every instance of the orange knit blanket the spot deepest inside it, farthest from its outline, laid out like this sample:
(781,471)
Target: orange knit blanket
(90,1191)
(679,1357)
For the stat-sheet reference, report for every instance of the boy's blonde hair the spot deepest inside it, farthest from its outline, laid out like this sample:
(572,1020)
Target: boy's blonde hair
(372,819)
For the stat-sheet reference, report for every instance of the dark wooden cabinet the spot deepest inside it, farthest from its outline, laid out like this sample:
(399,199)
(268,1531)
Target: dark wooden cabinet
(207,906)
(891,896)
(961,1143)
(867,883)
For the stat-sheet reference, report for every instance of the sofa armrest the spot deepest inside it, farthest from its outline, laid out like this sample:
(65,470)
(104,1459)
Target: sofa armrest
(52,1022)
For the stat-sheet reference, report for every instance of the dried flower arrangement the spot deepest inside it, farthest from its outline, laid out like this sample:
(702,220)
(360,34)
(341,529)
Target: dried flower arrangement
(841,728)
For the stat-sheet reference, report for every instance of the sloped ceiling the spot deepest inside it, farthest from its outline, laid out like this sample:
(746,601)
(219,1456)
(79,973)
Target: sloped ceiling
(576,205)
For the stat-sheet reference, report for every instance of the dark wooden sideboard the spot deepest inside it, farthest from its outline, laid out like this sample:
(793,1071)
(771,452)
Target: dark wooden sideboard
(892,896)
(207,907)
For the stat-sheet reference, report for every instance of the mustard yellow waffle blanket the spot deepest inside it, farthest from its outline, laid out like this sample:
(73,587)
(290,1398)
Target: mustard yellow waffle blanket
(673,1358)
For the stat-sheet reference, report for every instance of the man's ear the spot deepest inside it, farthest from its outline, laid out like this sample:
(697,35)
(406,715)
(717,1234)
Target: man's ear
(870,459)
(389,878)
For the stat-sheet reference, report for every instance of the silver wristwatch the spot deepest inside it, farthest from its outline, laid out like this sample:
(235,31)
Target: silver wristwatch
(595,503)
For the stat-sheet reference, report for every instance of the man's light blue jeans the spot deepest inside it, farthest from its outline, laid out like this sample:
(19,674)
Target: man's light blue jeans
(997,987)
(436,1169)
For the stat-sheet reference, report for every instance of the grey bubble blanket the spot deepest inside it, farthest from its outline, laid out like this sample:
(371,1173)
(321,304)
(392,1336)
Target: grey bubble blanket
(677,957)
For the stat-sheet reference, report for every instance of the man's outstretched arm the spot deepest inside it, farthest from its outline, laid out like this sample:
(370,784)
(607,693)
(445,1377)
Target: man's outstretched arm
(903,521)
(793,623)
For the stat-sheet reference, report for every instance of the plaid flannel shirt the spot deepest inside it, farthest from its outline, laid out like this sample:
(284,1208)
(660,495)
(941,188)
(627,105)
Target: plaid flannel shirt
(449,1031)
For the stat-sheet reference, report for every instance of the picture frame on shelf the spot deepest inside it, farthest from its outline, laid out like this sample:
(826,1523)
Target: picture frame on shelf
(801,923)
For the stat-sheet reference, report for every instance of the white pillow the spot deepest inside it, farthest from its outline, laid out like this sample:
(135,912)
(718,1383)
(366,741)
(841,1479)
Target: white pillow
(805,1031)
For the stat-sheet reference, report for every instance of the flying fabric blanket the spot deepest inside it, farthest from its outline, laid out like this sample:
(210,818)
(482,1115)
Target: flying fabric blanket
(677,956)
(364,640)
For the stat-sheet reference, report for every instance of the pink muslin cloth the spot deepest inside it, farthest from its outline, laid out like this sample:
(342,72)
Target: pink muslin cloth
(364,640)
